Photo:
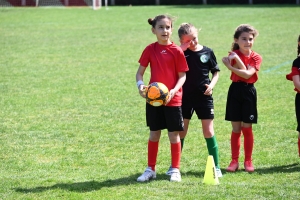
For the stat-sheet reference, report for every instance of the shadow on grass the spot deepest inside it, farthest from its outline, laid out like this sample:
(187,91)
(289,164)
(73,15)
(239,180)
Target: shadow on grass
(198,174)
(295,167)
(89,186)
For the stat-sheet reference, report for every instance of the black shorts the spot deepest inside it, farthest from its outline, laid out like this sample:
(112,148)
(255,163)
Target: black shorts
(202,113)
(164,117)
(297,108)
(203,106)
(241,103)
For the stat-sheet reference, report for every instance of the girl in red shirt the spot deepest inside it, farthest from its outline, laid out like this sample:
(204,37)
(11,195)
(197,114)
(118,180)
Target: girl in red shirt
(295,77)
(241,107)
(168,66)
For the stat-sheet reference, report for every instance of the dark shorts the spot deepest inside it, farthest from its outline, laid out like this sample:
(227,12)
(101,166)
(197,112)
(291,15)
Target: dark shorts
(297,108)
(202,113)
(202,105)
(241,103)
(164,117)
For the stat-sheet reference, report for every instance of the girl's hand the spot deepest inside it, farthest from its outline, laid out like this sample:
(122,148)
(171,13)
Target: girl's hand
(232,55)
(171,95)
(226,62)
(184,46)
(208,90)
(143,90)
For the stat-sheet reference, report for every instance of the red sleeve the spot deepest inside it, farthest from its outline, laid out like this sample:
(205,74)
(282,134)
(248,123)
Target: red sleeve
(256,61)
(145,57)
(295,71)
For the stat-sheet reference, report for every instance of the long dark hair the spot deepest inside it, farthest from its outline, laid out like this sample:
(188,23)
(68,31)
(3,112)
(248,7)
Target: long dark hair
(298,53)
(239,30)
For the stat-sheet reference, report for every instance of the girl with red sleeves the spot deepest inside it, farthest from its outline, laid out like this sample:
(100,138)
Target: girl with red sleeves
(241,106)
(168,66)
(295,77)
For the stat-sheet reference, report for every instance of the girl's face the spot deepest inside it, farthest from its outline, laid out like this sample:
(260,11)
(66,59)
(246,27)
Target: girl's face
(245,42)
(163,31)
(191,40)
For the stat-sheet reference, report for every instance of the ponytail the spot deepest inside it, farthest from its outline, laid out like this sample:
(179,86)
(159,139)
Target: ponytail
(298,52)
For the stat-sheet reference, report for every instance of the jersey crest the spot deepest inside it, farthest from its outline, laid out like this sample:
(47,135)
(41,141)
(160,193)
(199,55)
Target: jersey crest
(204,58)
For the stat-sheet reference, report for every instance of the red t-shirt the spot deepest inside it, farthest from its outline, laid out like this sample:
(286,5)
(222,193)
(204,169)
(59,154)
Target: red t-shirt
(166,61)
(295,71)
(253,60)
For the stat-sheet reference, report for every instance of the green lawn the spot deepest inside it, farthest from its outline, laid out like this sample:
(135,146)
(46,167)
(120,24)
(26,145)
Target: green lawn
(72,124)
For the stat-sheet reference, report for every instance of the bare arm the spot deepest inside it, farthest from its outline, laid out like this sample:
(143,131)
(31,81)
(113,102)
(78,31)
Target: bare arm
(239,63)
(212,84)
(296,81)
(244,73)
(139,77)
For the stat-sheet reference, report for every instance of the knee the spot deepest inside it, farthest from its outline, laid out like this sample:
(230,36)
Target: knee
(174,137)
(154,136)
(208,134)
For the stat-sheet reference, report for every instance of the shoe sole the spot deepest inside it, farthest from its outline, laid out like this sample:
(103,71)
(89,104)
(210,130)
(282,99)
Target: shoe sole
(246,170)
(175,180)
(228,170)
(145,180)
(220,176)
(153,177)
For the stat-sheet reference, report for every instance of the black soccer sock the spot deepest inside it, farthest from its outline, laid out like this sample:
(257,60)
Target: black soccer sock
(182,142)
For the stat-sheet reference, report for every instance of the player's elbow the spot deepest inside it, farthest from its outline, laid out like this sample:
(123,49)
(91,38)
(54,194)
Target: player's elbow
(248,75)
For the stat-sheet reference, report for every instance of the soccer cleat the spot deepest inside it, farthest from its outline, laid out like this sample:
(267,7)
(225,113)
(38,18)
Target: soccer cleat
(147,175)
(169,171)
(233,166)
(219,172)
(248,166)
(175,175)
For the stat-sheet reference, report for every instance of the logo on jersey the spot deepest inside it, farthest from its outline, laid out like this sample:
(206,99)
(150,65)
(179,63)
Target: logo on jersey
(204,58)
(163,52)
(251,117)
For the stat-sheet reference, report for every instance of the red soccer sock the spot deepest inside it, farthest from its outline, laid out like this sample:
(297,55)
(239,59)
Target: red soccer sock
(235,143)
(152,154)
(248,142)
(176,154)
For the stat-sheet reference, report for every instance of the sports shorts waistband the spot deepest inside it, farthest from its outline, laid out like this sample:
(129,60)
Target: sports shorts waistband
(243,83)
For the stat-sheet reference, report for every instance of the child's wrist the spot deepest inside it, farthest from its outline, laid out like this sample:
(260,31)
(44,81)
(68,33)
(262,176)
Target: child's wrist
(140,82)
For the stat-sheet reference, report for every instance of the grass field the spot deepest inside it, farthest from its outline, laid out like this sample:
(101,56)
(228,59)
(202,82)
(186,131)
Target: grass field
(72,124)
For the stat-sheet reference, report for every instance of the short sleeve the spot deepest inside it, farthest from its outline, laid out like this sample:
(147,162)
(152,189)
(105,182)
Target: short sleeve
(256,61)
(295,71)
